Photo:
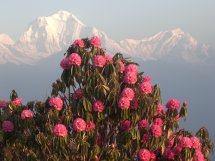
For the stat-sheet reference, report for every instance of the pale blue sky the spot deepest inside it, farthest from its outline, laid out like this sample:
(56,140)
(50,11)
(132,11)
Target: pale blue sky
(118,18)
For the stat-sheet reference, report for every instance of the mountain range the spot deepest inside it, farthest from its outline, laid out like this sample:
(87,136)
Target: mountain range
(53,34)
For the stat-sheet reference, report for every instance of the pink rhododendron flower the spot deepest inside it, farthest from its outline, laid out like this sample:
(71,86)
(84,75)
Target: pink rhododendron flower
(60,130)
(3,104)
(108,59)
(78,94)
(170,142)
(125,125)
(99,61)
(128,93)
(7,126)
(90,126)
(160,109)
(95,41)
(179,137)
(145,88)
(156,131)
(145,138)
(131,68)
(173,104)
(17,102)
(98,106)
(124,103)
(79,125)
(143,124)
(134,104)
(56,102)
(144,155)
(177,117)
(26,114)
(74,59)
(185,142)
(169,154)
(65,64)
(147,79)
(130,78)
(177,149)
(79,42)
(122,66)
(185,103)
(195,142)
(153,156)
(198,156)
(158,121)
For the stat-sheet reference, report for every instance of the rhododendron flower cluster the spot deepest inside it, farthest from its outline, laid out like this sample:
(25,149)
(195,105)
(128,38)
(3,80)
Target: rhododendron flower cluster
(124,103)
(79,125)
(79,43)
(173,104)
(130,78)
(160,109)
(185,103)
(65,64)
(158,121)
(143,124)
(17,102)
(60,130)
(3,104)
(185,142)
(74,59)
(95,41)
(90,126)
(131,68)
(100,108)
(7,126)
(145,87)
(145,139)
(199,156)
(99,61)
(156,131)
(128,93)
(195,142)
(78,94)
(144,155)
(108,59)
(26,114)
(56,102)
(122,66)
(125,125)
(147,79)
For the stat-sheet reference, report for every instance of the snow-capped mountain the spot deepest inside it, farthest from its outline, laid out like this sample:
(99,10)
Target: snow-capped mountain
(53,34)
(174,45)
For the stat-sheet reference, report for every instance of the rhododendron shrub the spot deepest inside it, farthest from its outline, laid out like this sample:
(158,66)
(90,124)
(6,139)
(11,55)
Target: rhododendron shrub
(102,108)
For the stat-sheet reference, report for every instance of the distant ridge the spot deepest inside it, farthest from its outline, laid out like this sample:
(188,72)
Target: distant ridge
(53,34)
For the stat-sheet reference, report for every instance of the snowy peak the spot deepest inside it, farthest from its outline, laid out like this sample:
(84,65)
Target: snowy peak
(65,15)
(177,32)
(48,35)
(61,16)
